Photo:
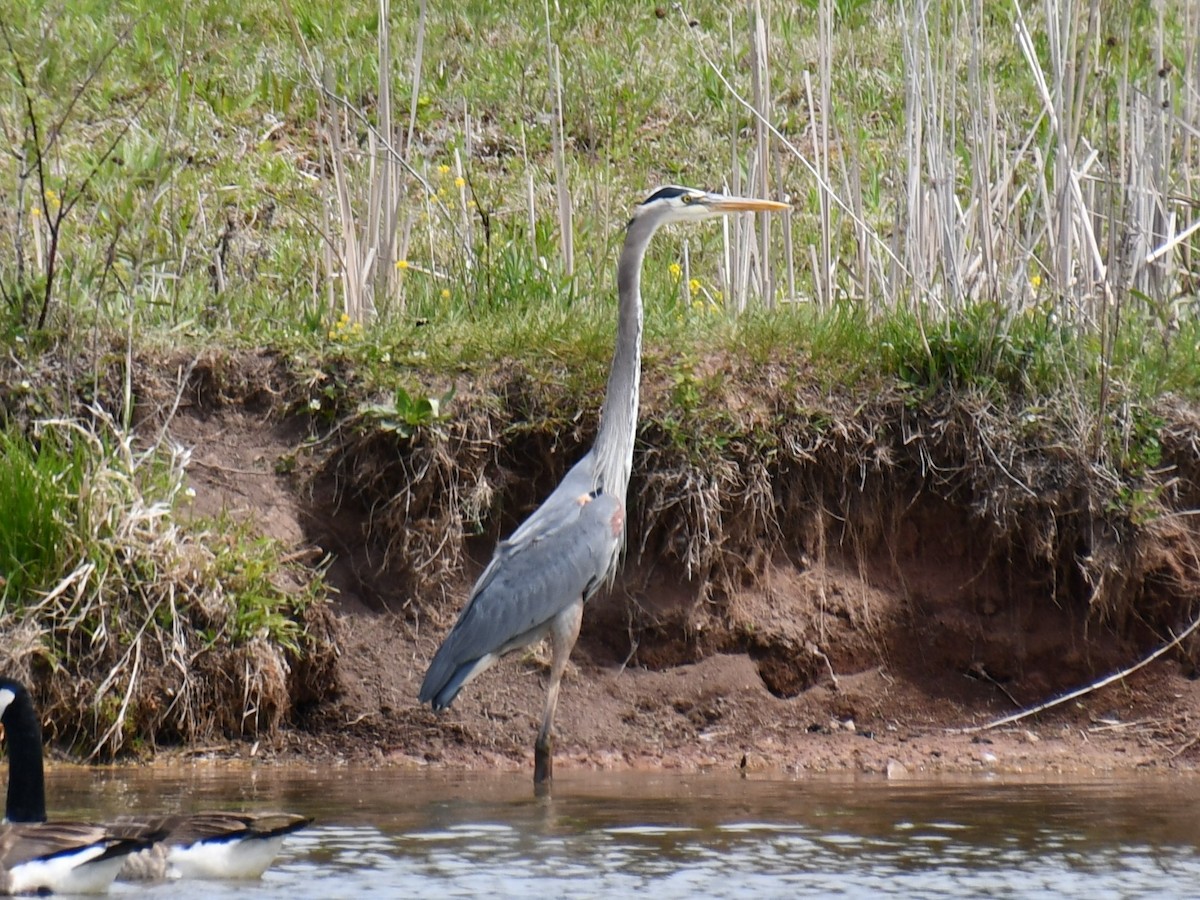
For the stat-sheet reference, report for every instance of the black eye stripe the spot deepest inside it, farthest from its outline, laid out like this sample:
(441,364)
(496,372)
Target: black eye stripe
(666,193)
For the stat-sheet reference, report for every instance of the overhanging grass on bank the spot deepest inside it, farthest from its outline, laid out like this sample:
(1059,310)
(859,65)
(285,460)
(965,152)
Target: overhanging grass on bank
(1033,356)
(99,579)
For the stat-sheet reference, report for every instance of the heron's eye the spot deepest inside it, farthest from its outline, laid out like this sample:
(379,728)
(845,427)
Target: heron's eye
(687,198)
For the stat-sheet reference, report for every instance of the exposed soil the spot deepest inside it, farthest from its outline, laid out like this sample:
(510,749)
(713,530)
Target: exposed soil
(874,655)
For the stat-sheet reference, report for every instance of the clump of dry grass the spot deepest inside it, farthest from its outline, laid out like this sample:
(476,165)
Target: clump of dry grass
(418,485)
(157,632)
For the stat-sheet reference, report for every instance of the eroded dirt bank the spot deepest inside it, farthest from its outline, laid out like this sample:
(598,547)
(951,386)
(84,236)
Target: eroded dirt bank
(838,586)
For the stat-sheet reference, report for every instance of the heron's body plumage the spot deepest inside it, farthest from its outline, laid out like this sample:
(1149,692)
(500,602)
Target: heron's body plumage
(567,550)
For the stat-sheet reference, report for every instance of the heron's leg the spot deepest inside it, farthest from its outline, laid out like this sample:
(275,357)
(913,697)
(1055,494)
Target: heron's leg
(563,634)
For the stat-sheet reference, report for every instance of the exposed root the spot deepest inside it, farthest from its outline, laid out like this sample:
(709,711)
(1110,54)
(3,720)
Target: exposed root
(1094,686)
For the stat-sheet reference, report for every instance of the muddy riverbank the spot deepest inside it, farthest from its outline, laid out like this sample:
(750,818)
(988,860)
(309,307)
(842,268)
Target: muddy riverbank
(861,605)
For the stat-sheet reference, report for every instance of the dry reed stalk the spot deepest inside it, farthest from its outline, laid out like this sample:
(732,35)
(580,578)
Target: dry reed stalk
(418,57)
(731,261)
(821,286)
(984,141)
(732,264)
(531,207)
(371,238)
(852,185)
(760,81)
(820,135)
(740,277)
(466,220)
(530,197)
(744,250)
(381,217)
(429,201)
(558,140)
(914,121)
(789,254)
(566,226)
(352,258)
(1079,281)
(782,140)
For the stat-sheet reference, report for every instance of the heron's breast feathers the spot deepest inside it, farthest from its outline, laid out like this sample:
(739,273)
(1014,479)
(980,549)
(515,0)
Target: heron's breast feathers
(616,520)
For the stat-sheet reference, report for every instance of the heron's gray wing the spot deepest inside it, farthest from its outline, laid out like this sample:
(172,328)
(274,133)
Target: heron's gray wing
(560,510)
(525,586)
(557,509)
(552,565)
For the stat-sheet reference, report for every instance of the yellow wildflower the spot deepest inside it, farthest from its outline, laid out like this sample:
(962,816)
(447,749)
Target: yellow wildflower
(52,201)
(402,264)
(1035,281)
(676,271)
(443,169)
(694,286)
(460,182)
(445,293)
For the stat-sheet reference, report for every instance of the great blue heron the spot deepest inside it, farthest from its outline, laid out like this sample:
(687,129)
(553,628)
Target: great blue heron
(538,579)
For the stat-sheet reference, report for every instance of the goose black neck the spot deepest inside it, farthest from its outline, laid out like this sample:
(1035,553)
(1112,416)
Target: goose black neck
(26,801)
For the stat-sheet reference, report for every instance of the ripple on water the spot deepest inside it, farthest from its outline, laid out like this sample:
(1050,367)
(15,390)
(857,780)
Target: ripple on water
(391,834)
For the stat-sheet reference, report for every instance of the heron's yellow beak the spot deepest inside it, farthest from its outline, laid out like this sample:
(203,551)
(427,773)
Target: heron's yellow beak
(721,203)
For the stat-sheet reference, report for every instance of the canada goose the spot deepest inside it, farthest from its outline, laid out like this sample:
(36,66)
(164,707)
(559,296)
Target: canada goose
(211,845)
(64,857)
(196,845)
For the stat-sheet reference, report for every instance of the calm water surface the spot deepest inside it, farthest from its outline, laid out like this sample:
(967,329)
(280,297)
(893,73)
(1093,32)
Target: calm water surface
(387,833)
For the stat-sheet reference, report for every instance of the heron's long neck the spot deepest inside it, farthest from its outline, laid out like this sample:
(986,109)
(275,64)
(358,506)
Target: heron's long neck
(26,800)
(618,416)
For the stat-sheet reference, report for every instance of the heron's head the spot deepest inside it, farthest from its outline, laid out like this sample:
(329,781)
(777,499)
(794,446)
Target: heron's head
(680,204)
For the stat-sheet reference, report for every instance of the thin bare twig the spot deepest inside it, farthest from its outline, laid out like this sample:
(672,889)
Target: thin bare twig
(1086,689)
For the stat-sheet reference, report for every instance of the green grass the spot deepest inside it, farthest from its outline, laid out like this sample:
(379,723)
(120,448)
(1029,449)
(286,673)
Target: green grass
(215,144)
(247,568)
(82,500)
(39,490)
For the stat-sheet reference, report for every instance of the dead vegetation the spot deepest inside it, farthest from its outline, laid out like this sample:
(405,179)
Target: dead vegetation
(159,630)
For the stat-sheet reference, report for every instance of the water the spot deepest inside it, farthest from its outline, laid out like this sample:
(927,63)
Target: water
(390,833)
